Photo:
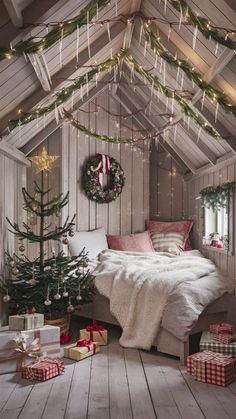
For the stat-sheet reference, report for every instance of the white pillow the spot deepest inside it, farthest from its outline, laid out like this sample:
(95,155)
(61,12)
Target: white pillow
(93,241)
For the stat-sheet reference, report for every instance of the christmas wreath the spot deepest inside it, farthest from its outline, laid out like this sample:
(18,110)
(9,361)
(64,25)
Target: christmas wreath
(92,179)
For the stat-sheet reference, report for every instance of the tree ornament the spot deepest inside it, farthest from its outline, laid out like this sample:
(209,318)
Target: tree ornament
(65,240)
(33,218)
(12,263)
(71,233)
(92,173)
(78,297)
(47,302)
(57,296)
(70,308)
(65,293)
(58,213)
(15,270)
(6,298)
(32,281)
(22,248)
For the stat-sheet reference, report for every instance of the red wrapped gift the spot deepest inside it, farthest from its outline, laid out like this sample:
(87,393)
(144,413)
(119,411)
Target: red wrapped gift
(212,367)
(221,328)
(223,337)
(43,370)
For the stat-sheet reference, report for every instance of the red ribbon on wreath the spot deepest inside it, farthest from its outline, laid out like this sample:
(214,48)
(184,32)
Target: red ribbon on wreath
(103,166)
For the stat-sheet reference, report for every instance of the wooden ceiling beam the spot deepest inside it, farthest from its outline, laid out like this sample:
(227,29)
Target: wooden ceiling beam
(40,69)
(13,153)
(97,48)
(53,126)
(14,11)
(176,153)
(134,7)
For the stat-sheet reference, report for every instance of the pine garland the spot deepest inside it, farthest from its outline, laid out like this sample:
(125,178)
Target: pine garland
(32,45)
(214,94)
(202,24)
(217,197)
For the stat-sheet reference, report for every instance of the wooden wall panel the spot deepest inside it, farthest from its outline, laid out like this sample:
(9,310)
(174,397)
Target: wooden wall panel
(12,178)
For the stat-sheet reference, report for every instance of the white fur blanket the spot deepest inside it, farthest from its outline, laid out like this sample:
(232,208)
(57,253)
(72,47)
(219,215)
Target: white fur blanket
(138,286)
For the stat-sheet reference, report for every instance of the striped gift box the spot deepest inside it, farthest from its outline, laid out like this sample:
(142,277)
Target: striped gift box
(221,328)
(43,370)
(207,343)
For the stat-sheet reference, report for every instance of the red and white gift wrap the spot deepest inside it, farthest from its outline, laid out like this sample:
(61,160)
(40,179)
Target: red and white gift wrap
(223,337)
(43,370)
(212,368)
(83,348)
(221,328)
(12,361)
(95,332)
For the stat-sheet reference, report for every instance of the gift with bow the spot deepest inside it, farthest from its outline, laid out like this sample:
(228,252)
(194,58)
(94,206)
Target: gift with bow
(43,369)
(95,332)
(81,349)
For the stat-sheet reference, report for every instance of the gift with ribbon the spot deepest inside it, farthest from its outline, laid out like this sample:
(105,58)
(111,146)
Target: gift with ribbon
(18,349)
(43,369)
(218,342)
(95,332)
(212,367)
(83,348)
(221,328)
(26,321)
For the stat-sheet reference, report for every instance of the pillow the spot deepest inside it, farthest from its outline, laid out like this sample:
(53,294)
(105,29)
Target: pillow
(138,242)
(94,242)
(168,242)
(183,227)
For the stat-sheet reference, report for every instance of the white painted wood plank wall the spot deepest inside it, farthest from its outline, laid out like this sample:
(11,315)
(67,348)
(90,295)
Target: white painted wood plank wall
(12,178)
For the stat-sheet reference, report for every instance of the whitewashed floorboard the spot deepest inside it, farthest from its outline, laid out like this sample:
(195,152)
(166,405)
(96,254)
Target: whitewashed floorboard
(37,400)
(57,401)
(206,398)
(181,393)
(161,394)
(140,397)
(77,404)
(19,396)
(8,383)
(120,407)
(98,406)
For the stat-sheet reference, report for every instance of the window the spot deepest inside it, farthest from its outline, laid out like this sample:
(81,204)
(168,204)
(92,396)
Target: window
(217,227)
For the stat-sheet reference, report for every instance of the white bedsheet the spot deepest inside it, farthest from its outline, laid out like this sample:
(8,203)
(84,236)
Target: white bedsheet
(148,290)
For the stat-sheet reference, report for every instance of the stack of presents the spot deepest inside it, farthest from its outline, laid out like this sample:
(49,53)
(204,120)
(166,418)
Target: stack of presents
(216,363)
(29,346)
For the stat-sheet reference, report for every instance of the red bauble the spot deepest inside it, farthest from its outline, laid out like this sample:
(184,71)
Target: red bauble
(65,339)
(65,240)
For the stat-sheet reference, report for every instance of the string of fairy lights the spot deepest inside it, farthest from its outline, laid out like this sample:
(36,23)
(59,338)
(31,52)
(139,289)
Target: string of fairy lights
(57,31)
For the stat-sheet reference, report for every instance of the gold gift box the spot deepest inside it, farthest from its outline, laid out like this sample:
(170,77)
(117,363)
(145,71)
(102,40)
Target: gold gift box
(100,337)
(79,352)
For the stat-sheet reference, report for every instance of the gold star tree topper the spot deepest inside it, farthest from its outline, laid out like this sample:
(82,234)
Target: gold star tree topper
(43,162)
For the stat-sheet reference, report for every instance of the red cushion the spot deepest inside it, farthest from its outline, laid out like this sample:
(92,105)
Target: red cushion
(138,242)
(183,227)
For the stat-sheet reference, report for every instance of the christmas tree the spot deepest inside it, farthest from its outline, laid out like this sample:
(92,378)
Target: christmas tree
(48,284)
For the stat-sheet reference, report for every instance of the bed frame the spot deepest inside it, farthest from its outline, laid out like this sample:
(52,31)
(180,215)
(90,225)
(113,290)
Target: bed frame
(165,342)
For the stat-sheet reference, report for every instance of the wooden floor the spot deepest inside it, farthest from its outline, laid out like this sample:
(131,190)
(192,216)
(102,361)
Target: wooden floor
(117,383)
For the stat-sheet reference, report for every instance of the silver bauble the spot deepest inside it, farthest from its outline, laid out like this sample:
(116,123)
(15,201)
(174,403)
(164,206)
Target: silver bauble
(65,294)
(78,297)
(12,263)
(6,298)
(47,302)
(70,308)
(57,296)
(15,271)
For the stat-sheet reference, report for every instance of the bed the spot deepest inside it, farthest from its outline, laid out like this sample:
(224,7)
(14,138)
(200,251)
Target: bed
(166,341)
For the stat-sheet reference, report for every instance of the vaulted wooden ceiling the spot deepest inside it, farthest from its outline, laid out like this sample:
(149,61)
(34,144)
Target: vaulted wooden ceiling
(27,84)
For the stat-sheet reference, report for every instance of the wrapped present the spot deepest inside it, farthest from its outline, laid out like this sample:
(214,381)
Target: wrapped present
(221,328)
(81,349)
(12,360)
(223,337)
(26,321)
(43,369)
(95,332)
(212,367)
(208,343)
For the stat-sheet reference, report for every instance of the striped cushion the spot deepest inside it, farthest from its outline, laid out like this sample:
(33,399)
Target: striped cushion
(167,242)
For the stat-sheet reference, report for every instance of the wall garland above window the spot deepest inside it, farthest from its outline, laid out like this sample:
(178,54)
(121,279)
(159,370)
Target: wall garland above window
(217,197)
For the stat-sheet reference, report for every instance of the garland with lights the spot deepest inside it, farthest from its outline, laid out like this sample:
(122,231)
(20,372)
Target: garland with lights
(64,94)
(91,179)
(203,24)
(214,94)
(217,197)
(157,85)
(59,31)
